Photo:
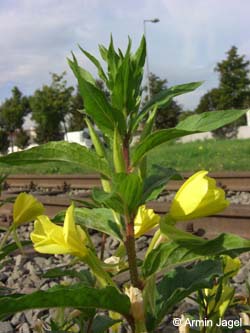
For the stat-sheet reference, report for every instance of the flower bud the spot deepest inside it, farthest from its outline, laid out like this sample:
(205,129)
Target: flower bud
(26,209)
(145,220)
(198,197)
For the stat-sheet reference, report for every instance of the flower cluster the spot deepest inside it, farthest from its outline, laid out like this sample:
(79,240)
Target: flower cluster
(197,197)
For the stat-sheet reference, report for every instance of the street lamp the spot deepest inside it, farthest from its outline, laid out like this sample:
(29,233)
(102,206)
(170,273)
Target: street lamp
(155,20)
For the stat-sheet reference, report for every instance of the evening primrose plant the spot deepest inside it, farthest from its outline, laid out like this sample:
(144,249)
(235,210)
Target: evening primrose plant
(119,209)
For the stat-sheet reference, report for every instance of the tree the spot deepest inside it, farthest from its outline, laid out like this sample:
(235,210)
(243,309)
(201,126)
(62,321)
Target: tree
(209,101)
(234,80)
(166,116)
(76,122)
(21,139)
(4,141)
(233,91)
(12,112)
(49,107)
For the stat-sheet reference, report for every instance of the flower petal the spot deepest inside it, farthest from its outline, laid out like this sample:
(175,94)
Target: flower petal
(198,197)
(145,220)
(26,209)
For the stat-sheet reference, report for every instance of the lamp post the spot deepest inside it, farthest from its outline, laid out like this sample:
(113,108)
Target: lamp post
(155,20)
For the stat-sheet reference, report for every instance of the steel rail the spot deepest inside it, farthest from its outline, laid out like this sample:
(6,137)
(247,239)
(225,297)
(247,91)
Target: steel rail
(235,181)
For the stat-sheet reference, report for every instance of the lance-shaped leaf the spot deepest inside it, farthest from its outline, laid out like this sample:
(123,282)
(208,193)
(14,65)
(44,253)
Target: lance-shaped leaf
(229,244)
(210,121)
(8,249)
(108,200)
(184,248)
(129,189)
(97,64)
(164,98)
(95,102)
(84,275)
(180,283)
(81,71)
(140,54)
(58,153)
(100,219)
(207,121)
(154,140)
(155,182)
(76,296)
(102,323)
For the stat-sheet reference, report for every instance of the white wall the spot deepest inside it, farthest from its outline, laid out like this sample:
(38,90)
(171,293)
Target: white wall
(196,137)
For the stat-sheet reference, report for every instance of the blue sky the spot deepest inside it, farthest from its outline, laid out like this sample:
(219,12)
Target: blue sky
(192,36)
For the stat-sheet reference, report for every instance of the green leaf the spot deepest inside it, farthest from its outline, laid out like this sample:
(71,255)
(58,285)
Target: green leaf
(228,244)
(100,219)
(96,63)
(156,182)
(103,51)
(207,121)
(140,54)
(83,72)
(76,296)
(185,248)
(166,255)
(112,62)
(154,140)
(164,98)
(129,189)
(108,200)
(180,283)
(84,275)
(123,85)
(96,105)
(58,152)
(102,323)
(8,249)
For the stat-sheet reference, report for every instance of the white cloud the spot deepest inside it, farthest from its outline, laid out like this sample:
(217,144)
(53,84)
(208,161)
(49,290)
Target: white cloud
(185,45)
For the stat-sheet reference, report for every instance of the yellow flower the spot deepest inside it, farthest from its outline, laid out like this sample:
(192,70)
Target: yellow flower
(145,220)
(26,209)
(51,238)
(198,197)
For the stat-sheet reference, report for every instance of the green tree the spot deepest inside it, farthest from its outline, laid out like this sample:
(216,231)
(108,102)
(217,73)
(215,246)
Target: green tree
(49,107)
(4,141)
(234,80)
(75,121)
(21,139)
(12,112)
(209,101)
(166,116)
(233,91)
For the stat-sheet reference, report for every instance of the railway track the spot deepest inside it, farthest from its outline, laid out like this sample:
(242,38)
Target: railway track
(235,181)
(235,219)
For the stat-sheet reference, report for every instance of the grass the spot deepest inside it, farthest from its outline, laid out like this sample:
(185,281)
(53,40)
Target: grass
(212,155)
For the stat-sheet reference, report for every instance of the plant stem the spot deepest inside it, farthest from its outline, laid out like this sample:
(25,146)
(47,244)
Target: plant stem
(104,238)
(5,238)
(130,246)
(130,236)
(126,153)
(140,327)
